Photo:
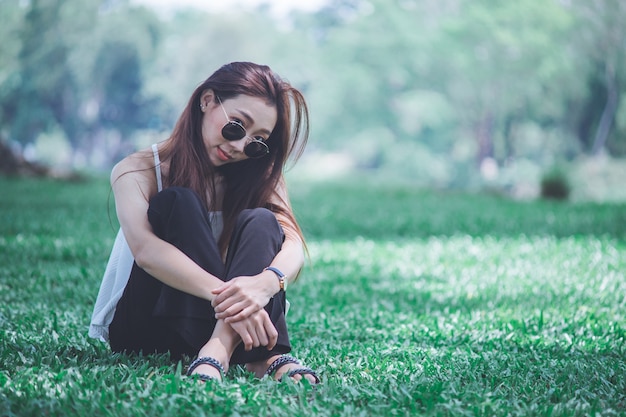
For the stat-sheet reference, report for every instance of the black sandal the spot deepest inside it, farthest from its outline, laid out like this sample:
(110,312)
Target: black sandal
(205,360)
(284,360)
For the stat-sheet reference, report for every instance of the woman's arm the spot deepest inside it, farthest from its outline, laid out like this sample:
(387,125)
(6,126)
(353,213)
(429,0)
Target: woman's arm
(133,184)
(241,296)
(290,259)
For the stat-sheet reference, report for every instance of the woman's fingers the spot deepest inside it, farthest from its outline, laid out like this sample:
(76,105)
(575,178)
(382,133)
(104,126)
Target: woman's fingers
(223,293)
(257,330)
(244,331)
(221,288)
(272,334)
(227,299)
(266,332)
(262,337)
(255,338)
(232,294)
(237,307)
(238,311)
(241,289)
(246,339)
(230,317)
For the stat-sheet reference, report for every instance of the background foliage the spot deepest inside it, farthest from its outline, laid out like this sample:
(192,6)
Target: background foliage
(450,93)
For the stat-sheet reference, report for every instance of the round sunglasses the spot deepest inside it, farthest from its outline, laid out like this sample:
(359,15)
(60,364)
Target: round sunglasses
(234,130)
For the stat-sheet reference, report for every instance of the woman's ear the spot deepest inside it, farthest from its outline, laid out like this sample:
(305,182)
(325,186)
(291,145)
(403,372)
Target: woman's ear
(207,98)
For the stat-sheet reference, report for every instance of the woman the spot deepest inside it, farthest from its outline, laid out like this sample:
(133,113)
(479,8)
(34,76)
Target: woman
(206,219)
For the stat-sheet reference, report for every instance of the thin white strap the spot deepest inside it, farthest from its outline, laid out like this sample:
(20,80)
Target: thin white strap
(157,166)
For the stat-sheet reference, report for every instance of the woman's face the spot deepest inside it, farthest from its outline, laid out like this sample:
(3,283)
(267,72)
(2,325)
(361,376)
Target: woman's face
(257,117)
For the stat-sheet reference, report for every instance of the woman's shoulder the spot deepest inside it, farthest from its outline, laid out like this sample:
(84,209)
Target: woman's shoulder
(138,165)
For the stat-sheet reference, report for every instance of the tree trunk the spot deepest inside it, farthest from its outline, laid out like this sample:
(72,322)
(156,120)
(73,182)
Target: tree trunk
(608,114)
(484,137)
(14,164)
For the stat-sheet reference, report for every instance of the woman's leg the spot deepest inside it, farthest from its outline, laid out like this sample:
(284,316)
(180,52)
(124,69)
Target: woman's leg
(256,240)
(153,317)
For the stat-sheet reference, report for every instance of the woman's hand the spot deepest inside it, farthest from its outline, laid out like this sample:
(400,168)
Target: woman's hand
(240,297)
(256,330)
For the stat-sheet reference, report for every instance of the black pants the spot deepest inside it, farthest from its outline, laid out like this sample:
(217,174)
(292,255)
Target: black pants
(152,317)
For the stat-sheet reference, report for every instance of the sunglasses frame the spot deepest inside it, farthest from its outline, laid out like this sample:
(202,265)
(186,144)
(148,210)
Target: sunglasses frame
(234,130)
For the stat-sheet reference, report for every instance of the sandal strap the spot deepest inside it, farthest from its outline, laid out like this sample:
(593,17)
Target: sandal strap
(205,360)
(204,377)
(282,360)
(302,371)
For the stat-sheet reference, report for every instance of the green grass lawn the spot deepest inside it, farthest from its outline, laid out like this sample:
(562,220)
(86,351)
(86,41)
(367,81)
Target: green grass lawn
(413,303)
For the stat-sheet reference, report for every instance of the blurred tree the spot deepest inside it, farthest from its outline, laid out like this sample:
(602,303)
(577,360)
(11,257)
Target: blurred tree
(77,72)
(116,103)
(44,93)
(43,90)
(601,38)
(502,66)
(450,82)
(199,42)
(117,78)
(11,20)
(439,72)
(371,53)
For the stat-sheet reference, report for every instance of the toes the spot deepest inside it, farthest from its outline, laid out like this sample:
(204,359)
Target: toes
(296,377)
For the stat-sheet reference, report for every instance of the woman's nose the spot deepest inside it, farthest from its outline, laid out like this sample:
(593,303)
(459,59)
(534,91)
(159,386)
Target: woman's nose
(240,144)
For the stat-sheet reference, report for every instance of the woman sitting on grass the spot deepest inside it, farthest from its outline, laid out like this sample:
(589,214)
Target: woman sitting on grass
(209,226)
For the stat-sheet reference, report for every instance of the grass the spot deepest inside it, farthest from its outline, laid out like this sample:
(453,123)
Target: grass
(414,303)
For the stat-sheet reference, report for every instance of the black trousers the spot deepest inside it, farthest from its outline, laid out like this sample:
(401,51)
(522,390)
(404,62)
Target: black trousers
(152,317)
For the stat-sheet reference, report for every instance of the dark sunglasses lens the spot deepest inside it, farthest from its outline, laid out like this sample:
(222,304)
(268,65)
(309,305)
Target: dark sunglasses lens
(233,131)
(256,149)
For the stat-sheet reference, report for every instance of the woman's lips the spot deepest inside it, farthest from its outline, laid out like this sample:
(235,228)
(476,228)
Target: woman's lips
(223,156)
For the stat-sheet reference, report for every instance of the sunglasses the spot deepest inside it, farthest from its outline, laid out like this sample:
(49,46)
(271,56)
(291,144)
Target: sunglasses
(234,130)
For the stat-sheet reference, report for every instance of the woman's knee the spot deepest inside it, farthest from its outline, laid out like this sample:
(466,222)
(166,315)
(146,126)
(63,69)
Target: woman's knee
(260,218)
(174,203)
(174,199)
(260,223)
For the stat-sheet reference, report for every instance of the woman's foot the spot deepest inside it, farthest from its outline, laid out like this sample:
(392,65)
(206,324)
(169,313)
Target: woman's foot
(279,366)
(202,364)
(212,362)
(218,349)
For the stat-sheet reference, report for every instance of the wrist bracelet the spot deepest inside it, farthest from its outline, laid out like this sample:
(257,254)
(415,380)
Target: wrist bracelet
(281,277)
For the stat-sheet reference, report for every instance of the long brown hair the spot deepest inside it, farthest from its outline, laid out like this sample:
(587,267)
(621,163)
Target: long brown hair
(250,183)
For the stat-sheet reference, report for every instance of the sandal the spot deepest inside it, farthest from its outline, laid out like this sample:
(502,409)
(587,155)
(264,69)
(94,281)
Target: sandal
(284,360)
(205,360)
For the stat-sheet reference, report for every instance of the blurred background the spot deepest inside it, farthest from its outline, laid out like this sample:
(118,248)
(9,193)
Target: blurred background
(524,98)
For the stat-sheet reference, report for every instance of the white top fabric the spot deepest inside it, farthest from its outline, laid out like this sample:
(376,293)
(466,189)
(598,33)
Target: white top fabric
(119,267)
(157,166)
(111,289)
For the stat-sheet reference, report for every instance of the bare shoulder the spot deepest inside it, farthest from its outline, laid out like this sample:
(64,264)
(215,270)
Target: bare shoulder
(136,166)
(134,176)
